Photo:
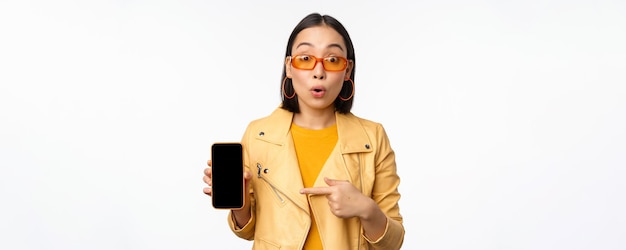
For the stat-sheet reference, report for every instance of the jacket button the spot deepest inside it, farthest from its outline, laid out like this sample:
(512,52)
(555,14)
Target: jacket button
(262,133)
(266,170)
(367,146)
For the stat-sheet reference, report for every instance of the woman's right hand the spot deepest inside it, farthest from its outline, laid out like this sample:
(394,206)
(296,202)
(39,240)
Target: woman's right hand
(242,216)
(207,179)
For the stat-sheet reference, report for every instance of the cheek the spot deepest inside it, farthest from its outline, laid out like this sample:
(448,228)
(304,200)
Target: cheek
(298,79)
(337,79)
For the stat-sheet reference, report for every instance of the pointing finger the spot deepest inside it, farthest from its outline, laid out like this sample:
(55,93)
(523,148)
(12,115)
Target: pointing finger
(316,190)
(332,182)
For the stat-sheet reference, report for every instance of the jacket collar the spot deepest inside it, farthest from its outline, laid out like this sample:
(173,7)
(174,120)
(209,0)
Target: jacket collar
(352,137)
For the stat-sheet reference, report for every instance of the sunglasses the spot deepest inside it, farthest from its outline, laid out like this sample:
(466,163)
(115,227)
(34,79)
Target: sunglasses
(330,63)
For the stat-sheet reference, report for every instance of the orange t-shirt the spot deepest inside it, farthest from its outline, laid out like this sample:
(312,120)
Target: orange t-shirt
(312,149)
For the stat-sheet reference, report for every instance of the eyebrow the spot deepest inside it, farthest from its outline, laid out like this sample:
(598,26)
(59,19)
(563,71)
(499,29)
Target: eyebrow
(329,46)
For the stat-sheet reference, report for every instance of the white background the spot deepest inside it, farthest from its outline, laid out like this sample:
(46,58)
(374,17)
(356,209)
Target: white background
(508,117)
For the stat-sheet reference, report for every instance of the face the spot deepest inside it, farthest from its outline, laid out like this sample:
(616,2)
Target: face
(317,88)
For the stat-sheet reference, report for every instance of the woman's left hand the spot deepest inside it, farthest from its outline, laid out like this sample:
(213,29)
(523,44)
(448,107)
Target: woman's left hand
(344,200)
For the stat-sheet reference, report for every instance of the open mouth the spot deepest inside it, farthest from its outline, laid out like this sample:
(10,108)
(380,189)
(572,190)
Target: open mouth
(318,91)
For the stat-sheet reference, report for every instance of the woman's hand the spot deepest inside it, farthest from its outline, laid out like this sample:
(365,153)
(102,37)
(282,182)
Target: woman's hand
(241,215)
(346,201)
(207,179)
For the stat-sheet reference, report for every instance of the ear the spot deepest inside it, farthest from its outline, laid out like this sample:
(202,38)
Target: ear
(288,66)
(349,69)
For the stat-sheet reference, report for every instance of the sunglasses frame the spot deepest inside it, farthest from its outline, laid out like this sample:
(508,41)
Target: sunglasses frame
(322,60)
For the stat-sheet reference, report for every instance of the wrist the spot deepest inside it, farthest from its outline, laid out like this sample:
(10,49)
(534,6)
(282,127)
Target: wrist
(369,210)
(241,216)
(374,221)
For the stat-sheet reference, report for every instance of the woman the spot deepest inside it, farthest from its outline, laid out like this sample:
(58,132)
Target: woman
(319,177)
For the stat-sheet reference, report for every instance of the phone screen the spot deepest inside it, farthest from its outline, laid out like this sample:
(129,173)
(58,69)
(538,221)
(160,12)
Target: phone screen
(227,175)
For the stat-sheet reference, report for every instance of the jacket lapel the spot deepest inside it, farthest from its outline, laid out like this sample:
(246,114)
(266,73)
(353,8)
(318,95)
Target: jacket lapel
(281,167)
(352,139)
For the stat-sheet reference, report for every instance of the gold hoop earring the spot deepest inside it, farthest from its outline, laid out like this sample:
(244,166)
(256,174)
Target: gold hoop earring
(351,95)
(285,92)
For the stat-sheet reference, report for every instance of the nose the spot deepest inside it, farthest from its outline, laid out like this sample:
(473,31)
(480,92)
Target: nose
(318,71)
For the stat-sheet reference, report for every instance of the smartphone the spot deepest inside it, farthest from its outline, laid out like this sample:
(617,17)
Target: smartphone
(227,175)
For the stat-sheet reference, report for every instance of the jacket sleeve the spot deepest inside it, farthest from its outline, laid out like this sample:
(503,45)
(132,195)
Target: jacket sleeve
(247,231)
(385,194)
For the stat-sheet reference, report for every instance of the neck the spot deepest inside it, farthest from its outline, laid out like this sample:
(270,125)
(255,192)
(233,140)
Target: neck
(315,119)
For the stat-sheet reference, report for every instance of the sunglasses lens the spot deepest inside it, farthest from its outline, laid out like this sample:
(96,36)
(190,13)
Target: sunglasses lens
(334,63)
(303,62)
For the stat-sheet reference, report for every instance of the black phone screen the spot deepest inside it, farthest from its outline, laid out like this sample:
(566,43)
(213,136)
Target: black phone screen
(227,175)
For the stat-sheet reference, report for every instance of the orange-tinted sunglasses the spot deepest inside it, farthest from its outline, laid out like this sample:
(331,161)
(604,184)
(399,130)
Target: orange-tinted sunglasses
(330,63)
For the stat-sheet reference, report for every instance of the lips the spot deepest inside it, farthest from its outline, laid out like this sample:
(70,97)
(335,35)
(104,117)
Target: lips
(318,91)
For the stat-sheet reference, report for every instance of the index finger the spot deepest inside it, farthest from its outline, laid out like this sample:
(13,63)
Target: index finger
(316,190)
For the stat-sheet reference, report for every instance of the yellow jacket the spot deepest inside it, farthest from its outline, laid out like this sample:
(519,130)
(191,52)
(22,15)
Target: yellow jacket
(281,215)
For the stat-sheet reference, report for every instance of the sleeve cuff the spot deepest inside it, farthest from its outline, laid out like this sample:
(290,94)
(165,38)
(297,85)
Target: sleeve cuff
(245,232)
(392,237)
(381,236)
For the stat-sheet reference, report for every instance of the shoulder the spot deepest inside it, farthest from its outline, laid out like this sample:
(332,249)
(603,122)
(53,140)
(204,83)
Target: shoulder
(364,122)
(272,127)
(355,130)
(279,115)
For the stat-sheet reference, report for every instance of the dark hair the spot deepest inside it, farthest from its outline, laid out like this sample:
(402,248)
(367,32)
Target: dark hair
(312,20)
